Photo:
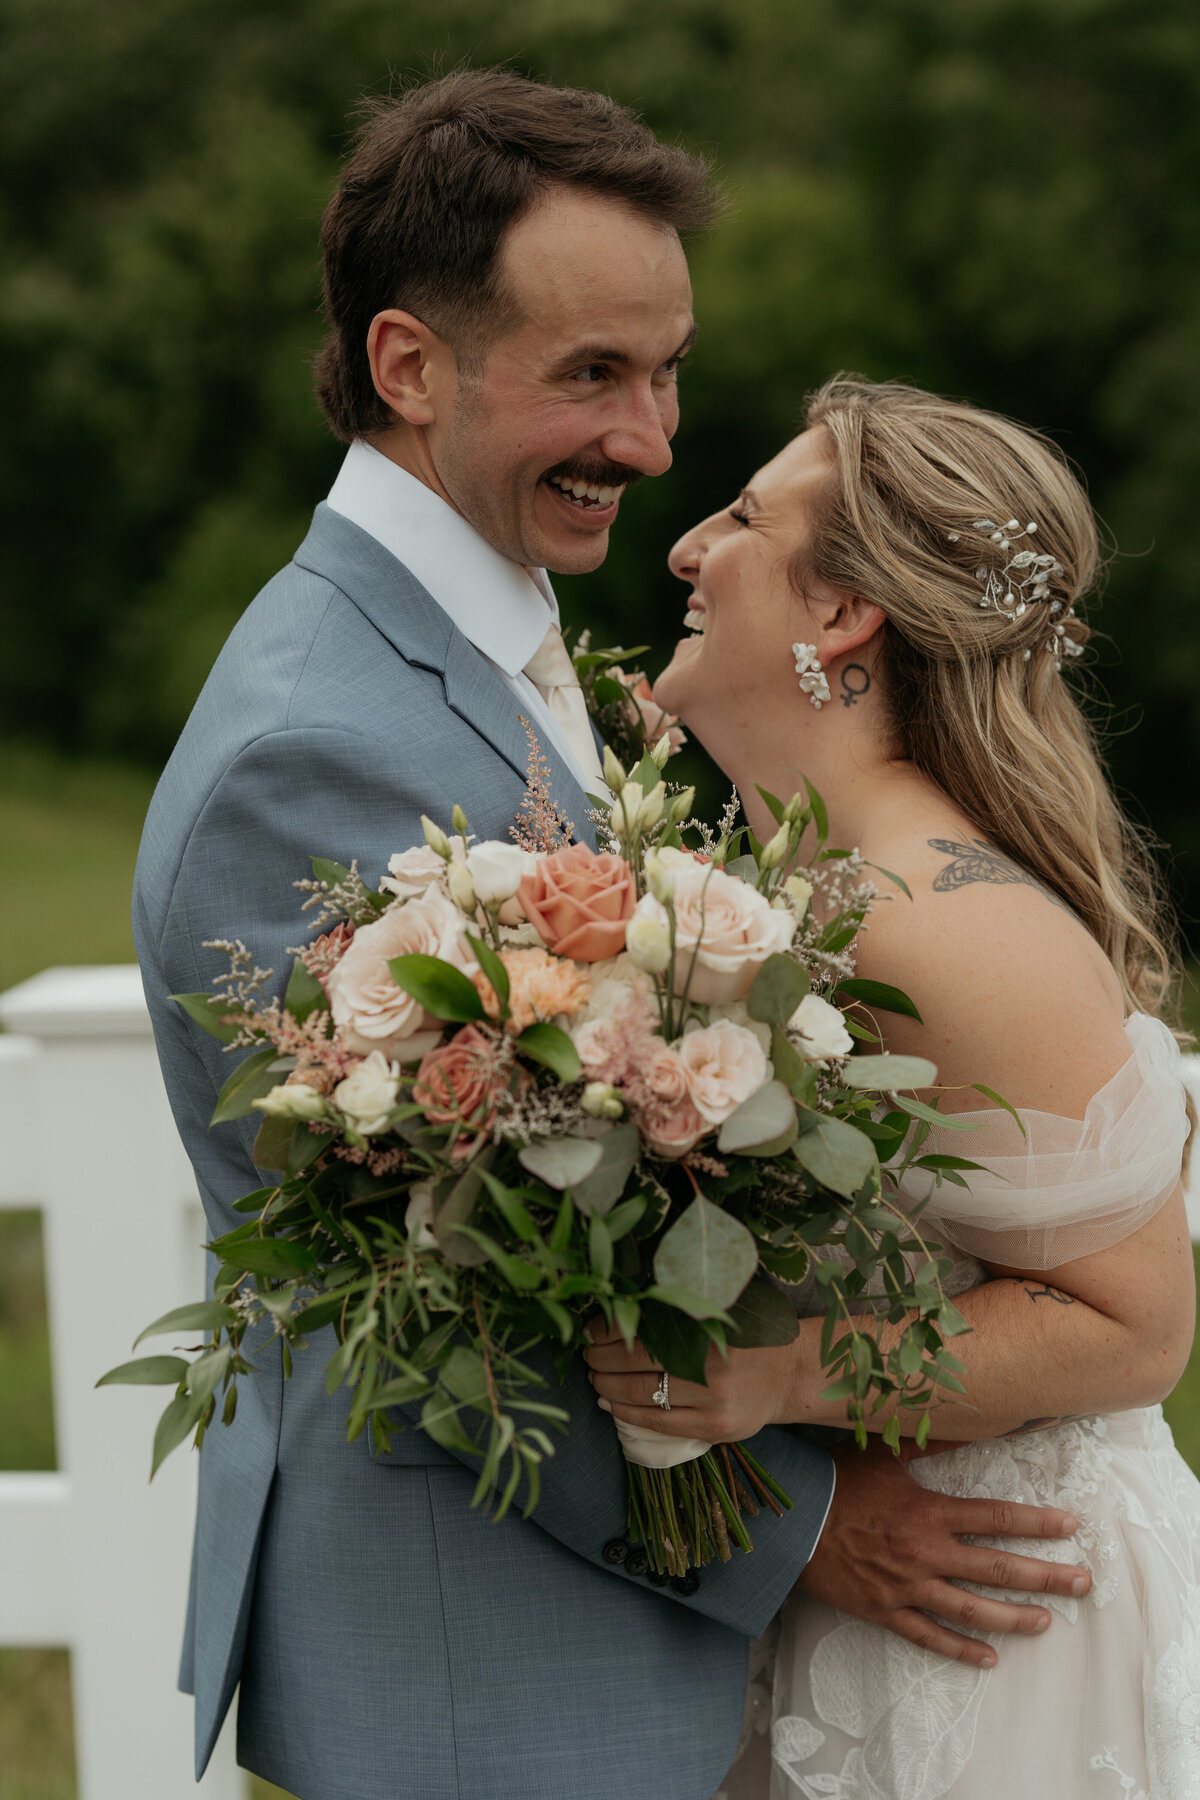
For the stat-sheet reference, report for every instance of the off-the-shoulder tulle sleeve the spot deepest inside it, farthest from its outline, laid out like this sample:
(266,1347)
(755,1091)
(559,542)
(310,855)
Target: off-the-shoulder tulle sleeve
(1071,1186)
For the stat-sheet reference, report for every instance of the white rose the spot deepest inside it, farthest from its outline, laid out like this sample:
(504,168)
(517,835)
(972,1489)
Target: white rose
(371,1012)
(822,1028)
(648,935)
(368,1093)
(418,1215)
(724,933)
(410,872)
(614,983)
(292,1101)
(497,870)
(724,1064)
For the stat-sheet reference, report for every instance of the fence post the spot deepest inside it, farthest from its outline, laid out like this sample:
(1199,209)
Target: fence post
(92,1556)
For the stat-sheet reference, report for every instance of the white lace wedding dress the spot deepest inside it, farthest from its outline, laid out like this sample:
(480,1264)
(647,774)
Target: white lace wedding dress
(1106,1704)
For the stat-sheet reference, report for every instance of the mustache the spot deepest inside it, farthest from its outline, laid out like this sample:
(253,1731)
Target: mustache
(596,474)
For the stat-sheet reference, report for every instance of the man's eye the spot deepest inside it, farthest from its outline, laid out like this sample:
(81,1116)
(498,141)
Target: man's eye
(594,372)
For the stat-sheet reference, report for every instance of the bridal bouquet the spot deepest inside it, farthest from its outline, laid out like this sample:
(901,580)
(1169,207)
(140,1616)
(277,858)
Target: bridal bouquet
(522,1085)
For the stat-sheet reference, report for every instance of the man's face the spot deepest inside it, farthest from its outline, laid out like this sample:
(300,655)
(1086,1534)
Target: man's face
(581,393)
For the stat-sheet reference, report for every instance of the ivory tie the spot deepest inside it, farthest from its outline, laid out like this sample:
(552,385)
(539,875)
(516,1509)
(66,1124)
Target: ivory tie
(553,675)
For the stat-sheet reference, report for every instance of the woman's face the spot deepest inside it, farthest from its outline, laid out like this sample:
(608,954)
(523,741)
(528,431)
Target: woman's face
(744,614)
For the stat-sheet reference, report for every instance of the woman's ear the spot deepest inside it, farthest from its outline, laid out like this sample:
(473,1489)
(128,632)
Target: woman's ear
(848,623)
(406,360)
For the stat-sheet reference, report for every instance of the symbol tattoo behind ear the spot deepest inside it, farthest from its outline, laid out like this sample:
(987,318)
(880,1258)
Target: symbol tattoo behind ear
(851,692)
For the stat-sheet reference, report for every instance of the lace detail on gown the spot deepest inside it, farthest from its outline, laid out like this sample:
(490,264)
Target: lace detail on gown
(1106,1706)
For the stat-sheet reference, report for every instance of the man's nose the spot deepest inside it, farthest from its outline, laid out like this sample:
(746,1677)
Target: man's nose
(641,436)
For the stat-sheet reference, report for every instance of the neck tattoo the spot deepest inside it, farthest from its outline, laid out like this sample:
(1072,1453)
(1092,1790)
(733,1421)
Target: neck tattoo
(854,690)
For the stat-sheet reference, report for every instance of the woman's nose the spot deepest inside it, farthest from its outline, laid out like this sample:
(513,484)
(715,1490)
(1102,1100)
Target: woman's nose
(687,555)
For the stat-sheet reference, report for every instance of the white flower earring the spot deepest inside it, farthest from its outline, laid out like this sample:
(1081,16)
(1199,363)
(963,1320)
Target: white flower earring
(813,681)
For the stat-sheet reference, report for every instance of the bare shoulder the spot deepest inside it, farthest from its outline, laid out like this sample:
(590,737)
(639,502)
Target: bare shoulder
(1012,989)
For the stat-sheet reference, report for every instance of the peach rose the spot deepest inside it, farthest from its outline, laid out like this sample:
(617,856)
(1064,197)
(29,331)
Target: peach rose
(645,708)
(457,1085)
(371,1012)
(724,932)
(579,902)
(724,1065)
(670,1121)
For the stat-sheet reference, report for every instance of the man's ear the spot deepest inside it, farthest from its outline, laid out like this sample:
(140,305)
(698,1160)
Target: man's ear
(408,365)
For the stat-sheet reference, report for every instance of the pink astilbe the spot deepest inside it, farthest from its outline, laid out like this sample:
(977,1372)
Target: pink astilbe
(540,825)
(325,952)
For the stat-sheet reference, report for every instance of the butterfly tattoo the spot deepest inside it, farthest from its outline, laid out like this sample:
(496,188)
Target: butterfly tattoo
(981,861)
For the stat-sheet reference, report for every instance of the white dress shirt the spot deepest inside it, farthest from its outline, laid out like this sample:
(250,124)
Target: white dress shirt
(501,608)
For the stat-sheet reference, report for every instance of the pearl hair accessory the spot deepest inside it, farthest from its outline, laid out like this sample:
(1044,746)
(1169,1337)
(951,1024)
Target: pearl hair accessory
(813,680)
(1022,580)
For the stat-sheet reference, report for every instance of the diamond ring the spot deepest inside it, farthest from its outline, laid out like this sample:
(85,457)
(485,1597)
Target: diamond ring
(662,1393)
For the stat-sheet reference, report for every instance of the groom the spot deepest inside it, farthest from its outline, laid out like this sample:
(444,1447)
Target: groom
(509,303)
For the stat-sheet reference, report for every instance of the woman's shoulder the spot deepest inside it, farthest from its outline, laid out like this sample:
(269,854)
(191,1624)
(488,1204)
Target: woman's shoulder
(1012,988)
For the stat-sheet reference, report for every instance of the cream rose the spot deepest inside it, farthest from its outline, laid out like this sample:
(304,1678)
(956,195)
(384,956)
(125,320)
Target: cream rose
(497,870)
(292,1100)
(724,1064)
(822,1028)
(410,872)
(671,1122)
(724,933)
(737,1012)
(368,1093)
(371,1012)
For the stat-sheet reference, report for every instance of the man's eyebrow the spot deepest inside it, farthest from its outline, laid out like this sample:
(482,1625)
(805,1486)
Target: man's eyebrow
(598,352)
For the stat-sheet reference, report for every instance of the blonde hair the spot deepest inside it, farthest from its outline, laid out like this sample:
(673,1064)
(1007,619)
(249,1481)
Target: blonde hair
(978,701)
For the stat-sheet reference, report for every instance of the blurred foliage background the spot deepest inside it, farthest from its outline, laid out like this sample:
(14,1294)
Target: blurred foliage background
(995,198)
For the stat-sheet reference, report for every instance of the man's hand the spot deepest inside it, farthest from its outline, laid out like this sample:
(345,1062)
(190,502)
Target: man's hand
(891,1552)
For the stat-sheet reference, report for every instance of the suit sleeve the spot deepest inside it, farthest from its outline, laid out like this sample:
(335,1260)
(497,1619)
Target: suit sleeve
(332,793)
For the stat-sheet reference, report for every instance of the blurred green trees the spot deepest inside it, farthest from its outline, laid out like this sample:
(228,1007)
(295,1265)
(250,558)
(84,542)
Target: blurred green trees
(997,198)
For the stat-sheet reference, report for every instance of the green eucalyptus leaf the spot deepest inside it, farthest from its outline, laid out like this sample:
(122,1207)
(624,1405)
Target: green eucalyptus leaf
(777,990)
(252,1078)
(199,1315)
(678,1342)
(208,1012)
(761,1315)
(708,1252)
(685,1301)
(464,1374)
(562,1162)
(917,1109)
(991,1094)
(147,1371)
(548,1045)
(772,803)
(764,1119)
(180,1417)
(440,988)
(601,1190)
(454,1203)
(887,1073)
(273,1143)
(837,1155)
(273,1258)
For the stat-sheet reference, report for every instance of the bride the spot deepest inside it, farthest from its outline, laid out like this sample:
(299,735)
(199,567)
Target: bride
(891,609)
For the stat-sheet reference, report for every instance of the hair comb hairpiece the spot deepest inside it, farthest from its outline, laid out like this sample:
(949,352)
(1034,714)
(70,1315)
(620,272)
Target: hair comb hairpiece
(1021,581)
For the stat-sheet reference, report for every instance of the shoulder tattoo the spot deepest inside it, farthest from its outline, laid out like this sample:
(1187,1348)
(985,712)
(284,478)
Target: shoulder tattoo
(981,861)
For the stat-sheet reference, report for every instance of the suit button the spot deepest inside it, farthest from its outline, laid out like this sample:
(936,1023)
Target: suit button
(657,1577)
(637,1562)
(686,1585)
(615,1551)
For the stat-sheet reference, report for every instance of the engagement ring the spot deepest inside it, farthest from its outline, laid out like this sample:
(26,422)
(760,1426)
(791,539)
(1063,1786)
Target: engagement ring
(662,1393)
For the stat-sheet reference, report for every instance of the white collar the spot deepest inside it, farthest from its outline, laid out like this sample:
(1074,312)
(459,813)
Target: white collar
(496,604)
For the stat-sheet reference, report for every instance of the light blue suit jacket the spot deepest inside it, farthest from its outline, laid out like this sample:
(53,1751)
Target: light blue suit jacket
(391,1642)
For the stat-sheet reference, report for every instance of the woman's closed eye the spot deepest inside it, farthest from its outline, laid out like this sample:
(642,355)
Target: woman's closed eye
(741,517)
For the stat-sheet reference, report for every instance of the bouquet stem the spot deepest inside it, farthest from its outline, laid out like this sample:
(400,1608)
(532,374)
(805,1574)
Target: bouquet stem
(692,1514)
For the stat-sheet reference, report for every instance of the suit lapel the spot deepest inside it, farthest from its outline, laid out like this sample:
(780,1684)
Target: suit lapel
(407,615)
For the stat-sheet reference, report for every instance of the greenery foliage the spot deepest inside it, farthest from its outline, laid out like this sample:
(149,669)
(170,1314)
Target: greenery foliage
(993,197)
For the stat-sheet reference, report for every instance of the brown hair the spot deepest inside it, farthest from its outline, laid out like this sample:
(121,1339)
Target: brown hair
(978,702)
(437,175)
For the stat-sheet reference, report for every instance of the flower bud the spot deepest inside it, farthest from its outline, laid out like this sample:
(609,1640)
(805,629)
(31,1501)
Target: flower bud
(651,809)
(648,936)
(435,837)
(292,1100)
(796,810)
(458,819)
(660,877)
(662,750)
(775,848)
(680,807)
(624,815)
(614,774)
(462,888)
(799,892)
(602,1100)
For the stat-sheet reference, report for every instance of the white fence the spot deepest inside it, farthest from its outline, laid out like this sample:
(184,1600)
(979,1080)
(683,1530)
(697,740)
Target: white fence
(92,1557)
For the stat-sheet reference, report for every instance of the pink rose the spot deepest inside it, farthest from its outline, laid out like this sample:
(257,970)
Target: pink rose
(670,1121)
(654,721)
(724,1064)
(724,932)
(370,1011)
(579,902)
(457,1084)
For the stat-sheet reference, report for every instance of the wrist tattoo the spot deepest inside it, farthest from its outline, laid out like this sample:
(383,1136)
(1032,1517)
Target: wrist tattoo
(1048,1293)
(854,691)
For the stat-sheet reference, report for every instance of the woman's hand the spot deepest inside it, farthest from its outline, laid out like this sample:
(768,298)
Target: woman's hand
(751,1389)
